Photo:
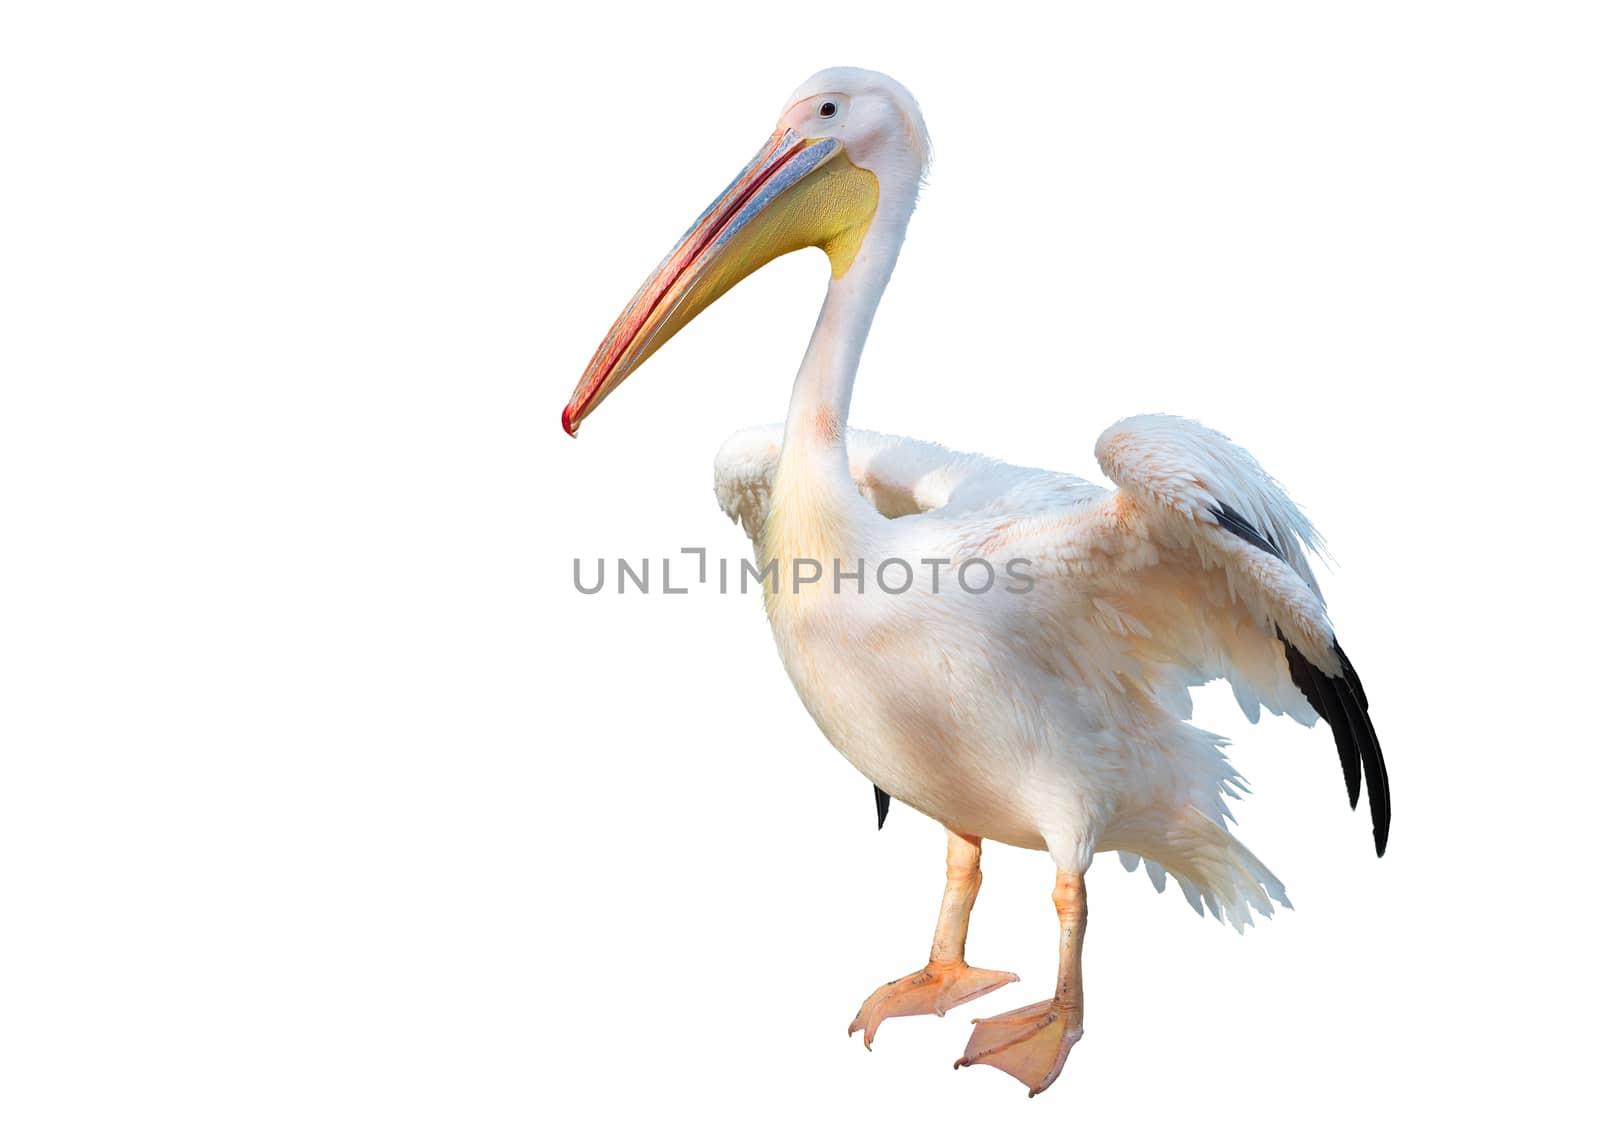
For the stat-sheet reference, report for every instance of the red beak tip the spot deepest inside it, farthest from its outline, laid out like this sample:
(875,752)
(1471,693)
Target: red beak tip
(566,423)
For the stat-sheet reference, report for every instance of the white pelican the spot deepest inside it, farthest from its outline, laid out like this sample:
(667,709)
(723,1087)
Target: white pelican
(1048,711)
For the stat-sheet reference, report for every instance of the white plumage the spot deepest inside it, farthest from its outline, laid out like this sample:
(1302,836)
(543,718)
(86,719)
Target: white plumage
(1139,593)
(1044,705)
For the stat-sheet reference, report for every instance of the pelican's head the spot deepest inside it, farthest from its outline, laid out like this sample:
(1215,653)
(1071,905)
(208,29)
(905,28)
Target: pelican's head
(845,161)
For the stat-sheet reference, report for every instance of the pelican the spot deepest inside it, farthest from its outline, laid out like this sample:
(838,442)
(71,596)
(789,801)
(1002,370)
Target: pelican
(1050,709)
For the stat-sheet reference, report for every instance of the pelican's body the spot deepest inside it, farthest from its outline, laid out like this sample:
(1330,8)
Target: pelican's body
(1034,712)
(1007,650)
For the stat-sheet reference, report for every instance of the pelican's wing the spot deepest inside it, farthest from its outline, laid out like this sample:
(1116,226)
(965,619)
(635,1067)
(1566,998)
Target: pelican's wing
(743,473)
(895,474)
(1195,568)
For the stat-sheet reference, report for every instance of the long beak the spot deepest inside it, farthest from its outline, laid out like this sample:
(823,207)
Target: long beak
(796,192)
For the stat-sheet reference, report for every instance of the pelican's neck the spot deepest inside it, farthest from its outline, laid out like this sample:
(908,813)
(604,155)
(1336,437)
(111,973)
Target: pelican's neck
(814,436)
(815,511)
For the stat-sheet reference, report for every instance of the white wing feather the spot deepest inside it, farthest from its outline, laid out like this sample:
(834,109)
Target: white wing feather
(897,475)
(1151,554)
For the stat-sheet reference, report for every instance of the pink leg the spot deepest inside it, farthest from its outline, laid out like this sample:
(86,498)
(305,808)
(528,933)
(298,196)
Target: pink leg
(1031,1044)
(947,980)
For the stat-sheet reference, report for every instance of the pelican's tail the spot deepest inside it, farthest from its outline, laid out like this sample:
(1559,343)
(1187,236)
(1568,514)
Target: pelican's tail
(1212,868)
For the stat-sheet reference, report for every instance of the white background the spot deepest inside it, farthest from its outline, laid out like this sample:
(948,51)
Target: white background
(331,810)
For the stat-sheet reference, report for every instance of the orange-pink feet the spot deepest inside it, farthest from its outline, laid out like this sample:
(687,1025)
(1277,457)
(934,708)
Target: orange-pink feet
(933,990)
(1031,1044)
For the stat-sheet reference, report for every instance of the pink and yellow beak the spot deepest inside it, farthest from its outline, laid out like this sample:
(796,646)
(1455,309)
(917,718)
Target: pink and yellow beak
(796,192)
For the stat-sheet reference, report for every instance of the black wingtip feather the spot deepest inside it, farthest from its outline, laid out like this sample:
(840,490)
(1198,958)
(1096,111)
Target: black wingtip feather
(1338,700)
(1371,752)
(882,800)
(1346,738)
(1229,518)
(1350,673)
(1342,703)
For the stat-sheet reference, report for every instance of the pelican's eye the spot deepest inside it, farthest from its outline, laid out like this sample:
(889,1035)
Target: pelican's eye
(828,109)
